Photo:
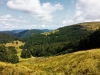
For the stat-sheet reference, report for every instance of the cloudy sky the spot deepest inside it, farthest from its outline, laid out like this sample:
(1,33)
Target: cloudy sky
(46,14)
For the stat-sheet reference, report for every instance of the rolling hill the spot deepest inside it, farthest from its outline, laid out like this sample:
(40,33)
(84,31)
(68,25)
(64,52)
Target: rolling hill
(57,52)
(85,25)
(12,32)
(62,40)
(25,33)
(29,33)
(72,32)
(78,63)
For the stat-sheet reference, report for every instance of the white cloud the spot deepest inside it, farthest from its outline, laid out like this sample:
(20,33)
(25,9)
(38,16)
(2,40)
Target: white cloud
(86,11)
(43,26)
(42,12)
(8,21)
(9,18)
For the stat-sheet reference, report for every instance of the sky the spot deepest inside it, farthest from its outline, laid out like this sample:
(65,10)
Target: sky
(46,14)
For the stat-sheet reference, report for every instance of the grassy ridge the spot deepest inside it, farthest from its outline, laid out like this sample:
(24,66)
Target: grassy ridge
(90,25)
(78,63)
(86,25)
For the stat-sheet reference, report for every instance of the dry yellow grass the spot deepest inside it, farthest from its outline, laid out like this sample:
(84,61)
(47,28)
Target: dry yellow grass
(78,63)
(14,44)
(48,33)
(9,69)
(91,25)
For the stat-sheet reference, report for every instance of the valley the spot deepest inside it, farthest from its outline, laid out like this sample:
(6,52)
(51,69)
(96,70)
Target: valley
(50,37)
(69,50)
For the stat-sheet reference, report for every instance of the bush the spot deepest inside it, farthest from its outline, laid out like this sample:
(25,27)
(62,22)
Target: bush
(25,54)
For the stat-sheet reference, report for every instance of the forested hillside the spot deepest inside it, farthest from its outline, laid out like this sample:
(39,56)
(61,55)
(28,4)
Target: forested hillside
(4,38)
(25,33)
(61,41)
(29,33)
(90,42)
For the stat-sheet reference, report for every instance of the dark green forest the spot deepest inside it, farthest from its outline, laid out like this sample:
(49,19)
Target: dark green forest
(5,38)
(66,40)
(8,54)
(90,42)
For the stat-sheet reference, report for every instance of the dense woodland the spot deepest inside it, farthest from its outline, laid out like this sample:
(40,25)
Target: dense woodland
(91,42)
(66,40)
(5,38)
(8,54)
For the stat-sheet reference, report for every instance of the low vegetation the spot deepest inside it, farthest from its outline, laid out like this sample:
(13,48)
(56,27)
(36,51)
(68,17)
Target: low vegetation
(78,63)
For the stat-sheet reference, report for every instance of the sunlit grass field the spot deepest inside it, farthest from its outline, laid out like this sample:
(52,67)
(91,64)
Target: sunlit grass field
(78,63)
(16,45)
(90,25)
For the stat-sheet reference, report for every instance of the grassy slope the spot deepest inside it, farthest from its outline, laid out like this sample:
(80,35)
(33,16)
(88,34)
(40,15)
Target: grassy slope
(78,63)
(86,25)
(90,25)
(16,47)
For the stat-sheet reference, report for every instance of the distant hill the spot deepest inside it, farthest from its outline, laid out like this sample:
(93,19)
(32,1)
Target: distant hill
(25,33)
(12,32)
(29,33)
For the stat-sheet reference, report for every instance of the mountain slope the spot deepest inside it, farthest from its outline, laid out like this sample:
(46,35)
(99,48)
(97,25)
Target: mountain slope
(25,33)
(78,63)
(29,33)
(13,32)
(60,41)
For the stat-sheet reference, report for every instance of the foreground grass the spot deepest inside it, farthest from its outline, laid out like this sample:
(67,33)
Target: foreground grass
(78,63)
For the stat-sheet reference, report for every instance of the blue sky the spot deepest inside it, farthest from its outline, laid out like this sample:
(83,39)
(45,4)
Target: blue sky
(46,14)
